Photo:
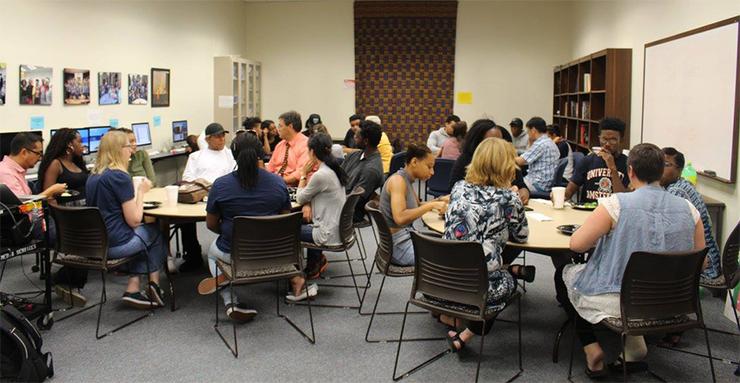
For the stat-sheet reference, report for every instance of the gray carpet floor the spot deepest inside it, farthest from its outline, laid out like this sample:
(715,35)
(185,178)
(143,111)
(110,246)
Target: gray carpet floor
(183,346)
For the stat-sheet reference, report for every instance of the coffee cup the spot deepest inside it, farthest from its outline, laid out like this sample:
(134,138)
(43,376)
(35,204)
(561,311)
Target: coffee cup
(558,197)
(171,195)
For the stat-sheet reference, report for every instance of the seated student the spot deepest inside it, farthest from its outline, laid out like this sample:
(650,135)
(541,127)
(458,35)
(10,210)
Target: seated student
(209,163)
(542,157)
(648,219)
(364,168)
(553,131)
(603,173)
(111,190)
(452,146)
(325,194)
(269,136)
(26,150)
(438,137)
(483,208)
(253,125)
(482,129)
(336,149)
(354,124)
(384,147)
(312,120)
(250,190)
(674,184)
(192,141)
(290,153)
(520,139)
(400,205)
(63,163)
(140,164)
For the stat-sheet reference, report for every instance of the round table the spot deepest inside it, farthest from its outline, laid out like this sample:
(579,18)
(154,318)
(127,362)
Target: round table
(544,236)
(189,212)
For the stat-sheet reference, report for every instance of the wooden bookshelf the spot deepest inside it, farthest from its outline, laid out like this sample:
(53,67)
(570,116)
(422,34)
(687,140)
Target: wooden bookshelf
(588,89)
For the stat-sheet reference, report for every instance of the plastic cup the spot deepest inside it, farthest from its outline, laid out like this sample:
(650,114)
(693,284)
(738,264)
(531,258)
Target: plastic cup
(137,181)
(558,197)
(171,195)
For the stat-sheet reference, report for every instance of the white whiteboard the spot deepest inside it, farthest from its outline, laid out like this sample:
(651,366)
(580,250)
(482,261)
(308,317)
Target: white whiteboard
(690,97)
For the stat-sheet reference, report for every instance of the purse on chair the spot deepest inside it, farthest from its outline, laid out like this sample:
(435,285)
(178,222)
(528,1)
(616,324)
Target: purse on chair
(193,192)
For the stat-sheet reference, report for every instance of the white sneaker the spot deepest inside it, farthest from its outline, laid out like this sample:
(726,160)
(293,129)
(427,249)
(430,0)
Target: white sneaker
(240,312)
(313,290)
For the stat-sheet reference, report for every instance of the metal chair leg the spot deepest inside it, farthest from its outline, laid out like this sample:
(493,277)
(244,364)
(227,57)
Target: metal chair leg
(398,352)
(558,337)
(572,351)
(311,339)
(480,352)
(372,317)
(622,338)
(709,352)
(103,299)
(234,350)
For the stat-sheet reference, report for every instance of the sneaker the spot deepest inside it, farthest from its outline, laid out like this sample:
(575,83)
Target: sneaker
(240,312)
(156,293)
(71,297)
(313,290)
(209,285)
(138,300)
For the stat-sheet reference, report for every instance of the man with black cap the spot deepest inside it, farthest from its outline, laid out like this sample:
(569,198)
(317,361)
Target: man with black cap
(208,164)
(520,139)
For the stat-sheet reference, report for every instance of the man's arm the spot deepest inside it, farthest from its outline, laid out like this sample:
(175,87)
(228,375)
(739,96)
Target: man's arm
(432,142)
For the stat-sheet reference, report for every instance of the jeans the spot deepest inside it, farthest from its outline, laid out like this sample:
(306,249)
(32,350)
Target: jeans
(403,249)
(146,238)
(215,253)
(307,236)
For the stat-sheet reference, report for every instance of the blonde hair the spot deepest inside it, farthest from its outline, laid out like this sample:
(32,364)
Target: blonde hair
(492,164)
(109,152)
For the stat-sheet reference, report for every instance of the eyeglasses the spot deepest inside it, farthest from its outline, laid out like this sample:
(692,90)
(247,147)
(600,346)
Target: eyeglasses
(612,141)
(128,146)
(40,153)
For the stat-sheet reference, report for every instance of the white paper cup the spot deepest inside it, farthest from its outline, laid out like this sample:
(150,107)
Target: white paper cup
(171,195)
(558,197)
(137,181)
(596,149)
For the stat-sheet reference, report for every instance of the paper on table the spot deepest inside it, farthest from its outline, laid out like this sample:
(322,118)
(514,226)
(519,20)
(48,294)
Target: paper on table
(538,216)
(542,201)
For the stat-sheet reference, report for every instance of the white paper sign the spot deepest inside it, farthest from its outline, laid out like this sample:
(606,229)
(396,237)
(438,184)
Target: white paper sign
(226,102)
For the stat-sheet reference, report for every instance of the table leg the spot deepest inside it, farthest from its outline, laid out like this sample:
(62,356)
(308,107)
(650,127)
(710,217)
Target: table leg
(164,228)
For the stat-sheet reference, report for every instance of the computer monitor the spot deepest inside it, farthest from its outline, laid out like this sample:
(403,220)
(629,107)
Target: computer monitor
(179,131)
(96,134)
(141,131)
(84,136)
(6,139)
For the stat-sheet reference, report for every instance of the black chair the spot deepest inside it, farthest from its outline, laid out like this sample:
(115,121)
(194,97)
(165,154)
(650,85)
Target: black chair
(264,249)
(347,236)
(397,162)
(728,279)
(439,183)
(383,257)
(659,292)
(82,242)
(455,286)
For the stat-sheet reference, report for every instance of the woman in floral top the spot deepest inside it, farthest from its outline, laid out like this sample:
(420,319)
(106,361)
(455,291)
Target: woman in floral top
(483,208)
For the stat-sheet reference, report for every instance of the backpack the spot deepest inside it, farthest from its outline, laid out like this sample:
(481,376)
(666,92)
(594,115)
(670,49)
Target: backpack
(21,358)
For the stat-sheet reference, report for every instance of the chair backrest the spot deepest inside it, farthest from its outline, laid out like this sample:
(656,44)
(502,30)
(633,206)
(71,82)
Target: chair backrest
(661,285)
(347,217)
(397,162)
(559,171)
(730,255)
(266,242)
(385,245)
(80,231)
(440,181)
(450,270)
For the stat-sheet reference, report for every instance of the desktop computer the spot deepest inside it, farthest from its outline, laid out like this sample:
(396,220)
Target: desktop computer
(95,134)
(84,136)
(179,131)
(142,133)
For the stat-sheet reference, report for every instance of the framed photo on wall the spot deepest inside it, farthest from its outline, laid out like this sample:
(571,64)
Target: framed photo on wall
(138,89)
(76,86)
(160,87)
(35,85)
(109,88)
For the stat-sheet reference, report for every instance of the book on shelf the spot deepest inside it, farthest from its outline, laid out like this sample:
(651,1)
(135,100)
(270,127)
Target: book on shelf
(587,82)
(583,135)
(585,109)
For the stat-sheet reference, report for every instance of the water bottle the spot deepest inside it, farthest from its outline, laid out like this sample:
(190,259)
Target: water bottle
(689,174)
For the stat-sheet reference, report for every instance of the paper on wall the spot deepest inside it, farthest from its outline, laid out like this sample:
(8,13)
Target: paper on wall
(37,122)
(226,102)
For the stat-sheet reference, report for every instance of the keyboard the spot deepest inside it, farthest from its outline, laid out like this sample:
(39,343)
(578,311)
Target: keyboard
(153,153)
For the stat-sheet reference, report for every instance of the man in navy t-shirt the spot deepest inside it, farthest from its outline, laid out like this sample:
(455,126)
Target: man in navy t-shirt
(603,173)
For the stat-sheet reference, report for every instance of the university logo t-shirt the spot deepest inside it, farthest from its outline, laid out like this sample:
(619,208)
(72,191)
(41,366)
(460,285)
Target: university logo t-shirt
(594,177)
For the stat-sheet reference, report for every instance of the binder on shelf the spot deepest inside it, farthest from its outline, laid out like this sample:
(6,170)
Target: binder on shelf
(587,82)
(583,135)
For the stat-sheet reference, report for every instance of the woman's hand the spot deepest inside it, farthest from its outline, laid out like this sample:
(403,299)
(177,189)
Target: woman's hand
(144,186)
(307,213)
(440,206)
(307,168)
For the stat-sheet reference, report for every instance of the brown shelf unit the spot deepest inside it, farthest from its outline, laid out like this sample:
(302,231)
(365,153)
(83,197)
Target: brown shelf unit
(589,88)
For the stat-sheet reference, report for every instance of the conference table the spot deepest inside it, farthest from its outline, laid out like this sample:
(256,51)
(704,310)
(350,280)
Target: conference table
(544,237)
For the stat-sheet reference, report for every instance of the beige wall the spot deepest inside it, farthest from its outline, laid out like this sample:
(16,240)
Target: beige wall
(307,51)
(631,24)
(127,37)
(505,56)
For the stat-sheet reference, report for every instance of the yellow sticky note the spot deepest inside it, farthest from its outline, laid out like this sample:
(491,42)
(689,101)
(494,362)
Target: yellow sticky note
(465,98)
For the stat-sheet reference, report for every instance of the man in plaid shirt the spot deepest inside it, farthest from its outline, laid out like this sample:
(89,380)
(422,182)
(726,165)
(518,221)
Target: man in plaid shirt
(542,157)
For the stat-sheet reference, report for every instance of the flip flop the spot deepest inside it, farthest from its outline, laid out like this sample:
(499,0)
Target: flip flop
(451,342)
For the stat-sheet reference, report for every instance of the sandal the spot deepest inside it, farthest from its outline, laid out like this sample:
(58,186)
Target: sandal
(451,342)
